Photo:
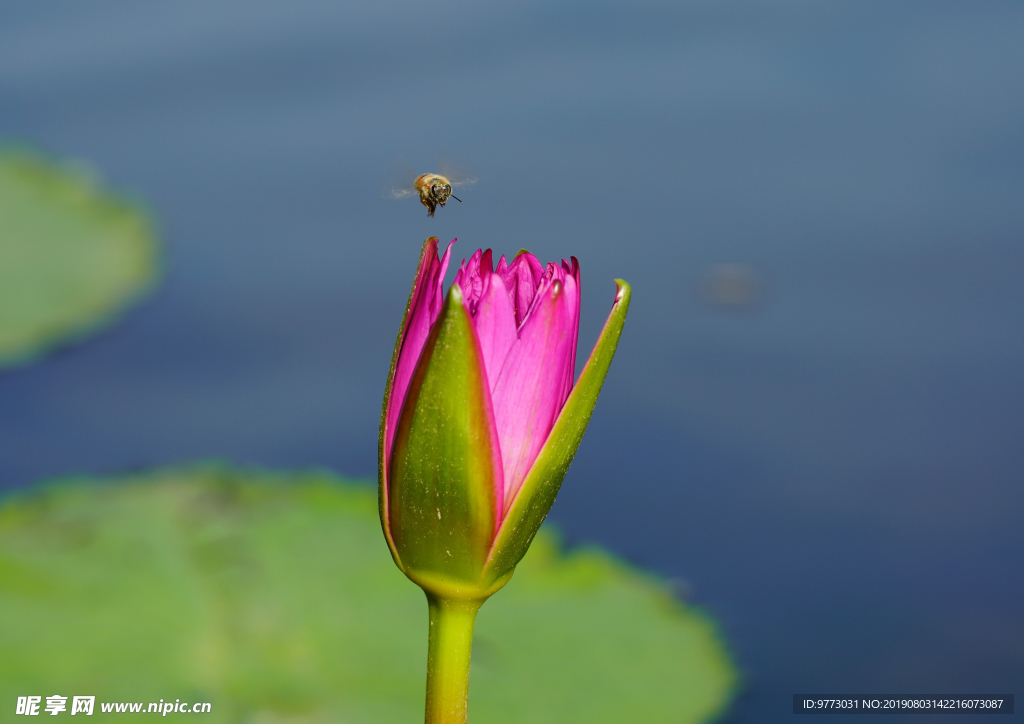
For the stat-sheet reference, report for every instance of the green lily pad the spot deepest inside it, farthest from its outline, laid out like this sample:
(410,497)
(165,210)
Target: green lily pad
(274,598)
(72,255)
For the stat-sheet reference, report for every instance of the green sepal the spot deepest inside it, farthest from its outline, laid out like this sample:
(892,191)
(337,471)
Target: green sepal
(538,491)
(429,248)
(445,459)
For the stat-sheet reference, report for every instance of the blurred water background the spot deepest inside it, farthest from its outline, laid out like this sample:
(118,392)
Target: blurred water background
(814,419)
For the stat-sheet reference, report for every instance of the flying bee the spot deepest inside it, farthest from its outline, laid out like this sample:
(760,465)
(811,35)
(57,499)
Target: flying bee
(433,189)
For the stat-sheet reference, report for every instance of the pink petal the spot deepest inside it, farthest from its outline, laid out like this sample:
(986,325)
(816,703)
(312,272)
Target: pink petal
(471,276)
(529,393)
(572,291)
(572,297)
(522,279)
(424,307)
(495,327)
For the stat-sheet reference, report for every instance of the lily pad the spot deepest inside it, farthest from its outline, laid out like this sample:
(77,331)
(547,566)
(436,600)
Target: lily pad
(72,254)
(273,597)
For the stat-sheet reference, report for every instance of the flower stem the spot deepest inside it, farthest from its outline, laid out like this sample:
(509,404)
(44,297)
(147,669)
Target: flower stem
(448,650)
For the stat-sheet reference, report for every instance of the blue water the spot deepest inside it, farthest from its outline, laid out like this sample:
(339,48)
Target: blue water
(833,467)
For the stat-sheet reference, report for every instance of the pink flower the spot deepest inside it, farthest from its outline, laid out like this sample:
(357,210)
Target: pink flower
(469,461)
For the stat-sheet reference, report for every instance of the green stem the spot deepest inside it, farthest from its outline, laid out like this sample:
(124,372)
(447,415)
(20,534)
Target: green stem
(448,650)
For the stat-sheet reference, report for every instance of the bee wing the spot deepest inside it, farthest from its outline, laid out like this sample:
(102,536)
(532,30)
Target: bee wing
(399,193)
(456,175)
(402,178)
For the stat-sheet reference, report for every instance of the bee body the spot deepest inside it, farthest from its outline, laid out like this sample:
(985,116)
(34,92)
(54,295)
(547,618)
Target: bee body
(434,191)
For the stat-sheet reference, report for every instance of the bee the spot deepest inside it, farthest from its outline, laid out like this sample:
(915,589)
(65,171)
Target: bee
(433,189)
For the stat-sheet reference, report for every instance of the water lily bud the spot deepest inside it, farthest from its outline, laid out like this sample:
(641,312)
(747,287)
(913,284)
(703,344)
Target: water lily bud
(482,416)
